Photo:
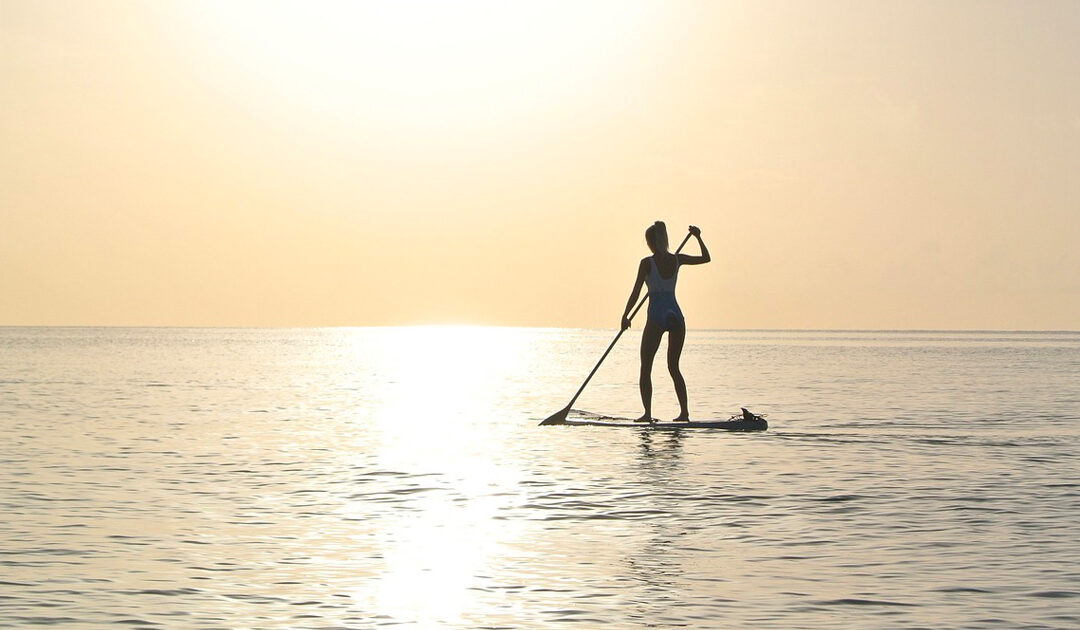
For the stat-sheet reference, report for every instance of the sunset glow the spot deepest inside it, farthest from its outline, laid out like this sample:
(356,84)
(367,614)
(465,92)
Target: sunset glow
(388,163)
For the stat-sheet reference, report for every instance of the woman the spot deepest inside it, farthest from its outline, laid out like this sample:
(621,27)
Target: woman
(659,272)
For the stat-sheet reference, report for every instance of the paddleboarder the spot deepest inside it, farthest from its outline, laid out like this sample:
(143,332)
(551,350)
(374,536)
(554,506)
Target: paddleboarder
(659,273)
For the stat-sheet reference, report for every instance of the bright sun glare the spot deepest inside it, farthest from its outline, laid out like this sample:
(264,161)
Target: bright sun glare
(424,56)
(440,380)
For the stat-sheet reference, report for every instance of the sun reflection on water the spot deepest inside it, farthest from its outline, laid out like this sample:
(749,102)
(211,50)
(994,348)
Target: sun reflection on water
(433,418)
(436,371)
(432,558)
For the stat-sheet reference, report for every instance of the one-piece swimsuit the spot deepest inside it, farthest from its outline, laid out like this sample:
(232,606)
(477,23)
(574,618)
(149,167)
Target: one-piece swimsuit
(664,311)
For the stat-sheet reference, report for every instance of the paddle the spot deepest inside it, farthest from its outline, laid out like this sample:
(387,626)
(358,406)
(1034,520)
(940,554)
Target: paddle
(559,417)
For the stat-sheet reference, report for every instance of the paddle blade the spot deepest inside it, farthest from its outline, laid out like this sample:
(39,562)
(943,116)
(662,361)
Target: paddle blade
(559,417)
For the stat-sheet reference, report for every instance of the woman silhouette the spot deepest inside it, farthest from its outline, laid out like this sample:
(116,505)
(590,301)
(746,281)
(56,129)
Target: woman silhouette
(659,272)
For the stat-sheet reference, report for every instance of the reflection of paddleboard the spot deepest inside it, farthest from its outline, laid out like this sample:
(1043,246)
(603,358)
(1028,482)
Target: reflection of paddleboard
(745,421)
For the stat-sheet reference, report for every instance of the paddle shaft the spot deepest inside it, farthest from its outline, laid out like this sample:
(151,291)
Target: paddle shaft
(617,335)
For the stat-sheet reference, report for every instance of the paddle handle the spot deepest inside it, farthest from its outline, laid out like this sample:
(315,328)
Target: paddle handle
(617,335)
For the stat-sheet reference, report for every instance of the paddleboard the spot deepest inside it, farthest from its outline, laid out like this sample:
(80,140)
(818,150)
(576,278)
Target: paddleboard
(739,422)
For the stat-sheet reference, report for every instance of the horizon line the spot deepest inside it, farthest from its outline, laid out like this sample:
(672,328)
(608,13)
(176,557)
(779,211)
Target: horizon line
(335,326)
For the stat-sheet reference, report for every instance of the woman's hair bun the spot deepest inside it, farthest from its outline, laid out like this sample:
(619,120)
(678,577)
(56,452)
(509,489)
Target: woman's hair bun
(652,230)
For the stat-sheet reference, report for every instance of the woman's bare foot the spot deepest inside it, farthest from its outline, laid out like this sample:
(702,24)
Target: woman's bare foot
(683,417)
(645,418)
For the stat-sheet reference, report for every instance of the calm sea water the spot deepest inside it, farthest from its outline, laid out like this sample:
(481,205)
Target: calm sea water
(200,478)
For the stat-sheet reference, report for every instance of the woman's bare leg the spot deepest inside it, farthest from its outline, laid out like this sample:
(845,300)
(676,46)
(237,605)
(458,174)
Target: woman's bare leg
(674,350)
(650,342)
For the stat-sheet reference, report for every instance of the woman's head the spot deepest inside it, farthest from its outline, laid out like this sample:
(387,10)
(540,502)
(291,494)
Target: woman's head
(656,237)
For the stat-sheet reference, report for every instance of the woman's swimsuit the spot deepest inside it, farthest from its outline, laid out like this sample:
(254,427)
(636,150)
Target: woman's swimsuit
(664,311)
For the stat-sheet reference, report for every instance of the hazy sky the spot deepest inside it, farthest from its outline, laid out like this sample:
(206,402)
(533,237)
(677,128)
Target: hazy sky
(851,164)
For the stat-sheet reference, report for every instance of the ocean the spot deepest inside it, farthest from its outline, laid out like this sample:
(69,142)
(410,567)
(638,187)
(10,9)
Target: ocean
(370,477)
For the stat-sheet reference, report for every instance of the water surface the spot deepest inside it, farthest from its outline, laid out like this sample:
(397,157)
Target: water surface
(327,478)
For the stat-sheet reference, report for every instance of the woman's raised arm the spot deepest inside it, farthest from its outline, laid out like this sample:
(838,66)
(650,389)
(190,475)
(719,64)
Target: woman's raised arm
(687,259)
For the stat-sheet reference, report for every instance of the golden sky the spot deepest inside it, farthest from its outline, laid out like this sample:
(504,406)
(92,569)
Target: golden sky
(851,164)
